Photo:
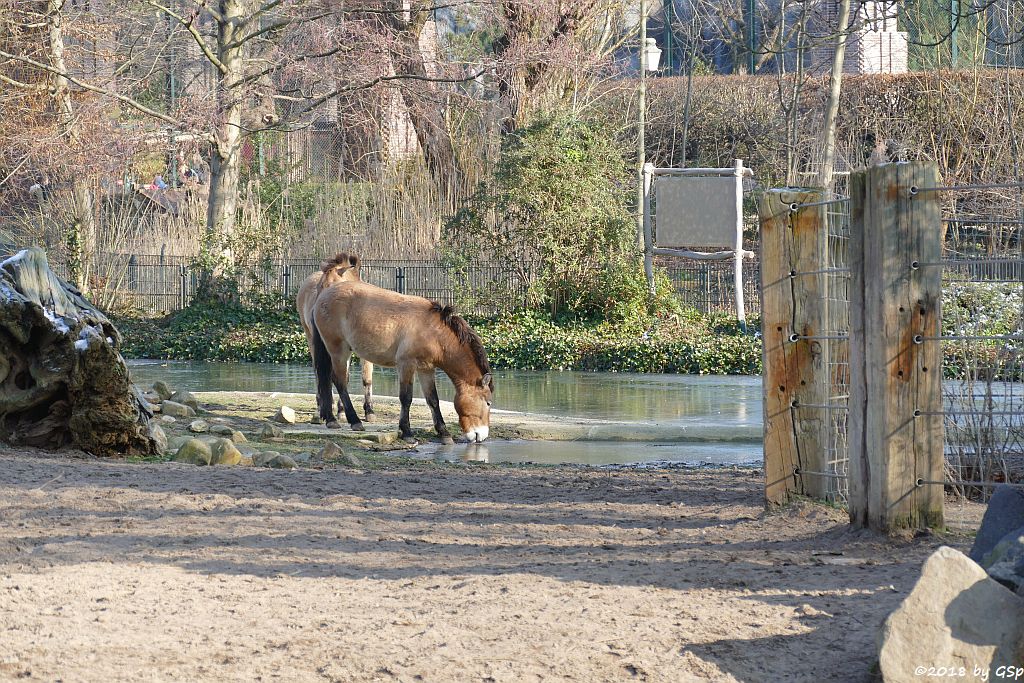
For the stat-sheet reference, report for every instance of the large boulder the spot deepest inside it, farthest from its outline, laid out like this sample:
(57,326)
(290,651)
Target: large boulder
(955,614)
(63,381)
(1004,514)
(1005,562)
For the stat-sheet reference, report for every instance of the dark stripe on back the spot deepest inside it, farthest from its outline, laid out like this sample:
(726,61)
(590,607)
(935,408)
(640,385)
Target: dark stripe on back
(465,334)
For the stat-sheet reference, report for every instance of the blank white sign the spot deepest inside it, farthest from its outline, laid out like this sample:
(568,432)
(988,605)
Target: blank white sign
(695,212)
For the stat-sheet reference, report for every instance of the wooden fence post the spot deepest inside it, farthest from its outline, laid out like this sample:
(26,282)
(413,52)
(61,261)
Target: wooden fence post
(792,315)
(895,420)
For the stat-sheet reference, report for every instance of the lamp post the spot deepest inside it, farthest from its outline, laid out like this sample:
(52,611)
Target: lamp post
(649,56)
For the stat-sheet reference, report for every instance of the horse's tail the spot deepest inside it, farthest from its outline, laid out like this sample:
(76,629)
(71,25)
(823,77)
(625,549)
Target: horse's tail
(323,368)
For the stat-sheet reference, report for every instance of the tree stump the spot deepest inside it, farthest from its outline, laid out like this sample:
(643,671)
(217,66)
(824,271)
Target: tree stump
(63,381)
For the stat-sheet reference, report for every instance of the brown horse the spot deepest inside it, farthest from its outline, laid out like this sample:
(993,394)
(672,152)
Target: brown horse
(411,334)
(342,268)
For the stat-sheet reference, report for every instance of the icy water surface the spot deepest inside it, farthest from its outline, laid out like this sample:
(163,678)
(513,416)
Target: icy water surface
(717,404)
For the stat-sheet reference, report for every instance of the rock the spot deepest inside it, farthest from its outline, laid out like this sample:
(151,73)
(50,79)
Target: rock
(285,415)
(186,398)
(955,613)
(331,451)
(1005,563)
(161,389)
(221,429)
(198,426)
(270,431)
(273,459)
(225,453)
(167,419)
(238,437)
(153,407)
(245,461)
(152,397)
(195,452)
(283,462)
(1004,514)
(175,409)
(303,458)
(386,438)
(261,459)
(159,437)
(174,443)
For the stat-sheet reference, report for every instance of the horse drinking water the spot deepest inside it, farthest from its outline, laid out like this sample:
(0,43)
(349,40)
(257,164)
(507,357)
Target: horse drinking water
(343,267)
(409,333)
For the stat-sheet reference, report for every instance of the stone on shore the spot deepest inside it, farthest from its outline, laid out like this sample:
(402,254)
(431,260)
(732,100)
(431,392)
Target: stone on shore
(194,452)
(175,409)
(285,415)
(161,389)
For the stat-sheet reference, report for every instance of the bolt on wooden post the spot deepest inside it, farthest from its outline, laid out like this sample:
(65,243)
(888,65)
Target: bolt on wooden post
(793,310)
(895,421)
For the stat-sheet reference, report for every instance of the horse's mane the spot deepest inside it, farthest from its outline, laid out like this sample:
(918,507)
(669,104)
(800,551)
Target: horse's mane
(340,259)
(465,334)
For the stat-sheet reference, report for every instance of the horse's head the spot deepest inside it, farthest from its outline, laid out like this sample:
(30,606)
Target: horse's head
(342,267)
(473,404)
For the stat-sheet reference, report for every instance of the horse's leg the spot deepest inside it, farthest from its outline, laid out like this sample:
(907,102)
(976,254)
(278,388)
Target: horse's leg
(312,357)
(367,375)
(430,395)
(405,375)
(340,378)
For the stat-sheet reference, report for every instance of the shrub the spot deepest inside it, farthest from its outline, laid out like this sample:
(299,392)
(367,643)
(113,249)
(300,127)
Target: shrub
(685,343)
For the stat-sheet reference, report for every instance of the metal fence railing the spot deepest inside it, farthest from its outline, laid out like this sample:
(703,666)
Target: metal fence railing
(155,284)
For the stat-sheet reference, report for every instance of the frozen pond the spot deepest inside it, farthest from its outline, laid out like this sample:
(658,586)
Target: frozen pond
(724,409)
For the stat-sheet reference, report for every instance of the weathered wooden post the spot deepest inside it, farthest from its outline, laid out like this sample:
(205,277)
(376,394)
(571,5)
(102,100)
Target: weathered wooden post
(793,305)
(895,420)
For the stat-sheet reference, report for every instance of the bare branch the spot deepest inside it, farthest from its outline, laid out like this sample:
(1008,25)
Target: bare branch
(190,27)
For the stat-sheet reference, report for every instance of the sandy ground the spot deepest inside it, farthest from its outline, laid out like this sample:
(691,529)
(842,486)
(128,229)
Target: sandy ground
(115,571)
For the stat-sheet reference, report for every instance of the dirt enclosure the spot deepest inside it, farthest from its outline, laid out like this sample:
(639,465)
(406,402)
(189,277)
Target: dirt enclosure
(115,571)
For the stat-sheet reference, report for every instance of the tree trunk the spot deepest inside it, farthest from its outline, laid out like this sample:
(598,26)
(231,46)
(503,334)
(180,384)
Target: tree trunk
(225,156)
(63,381)
(835,90)
(82,233)
(427,111)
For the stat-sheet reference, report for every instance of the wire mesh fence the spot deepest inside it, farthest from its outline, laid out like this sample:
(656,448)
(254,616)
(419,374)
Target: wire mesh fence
(710,287)
(836,346)
(982,341)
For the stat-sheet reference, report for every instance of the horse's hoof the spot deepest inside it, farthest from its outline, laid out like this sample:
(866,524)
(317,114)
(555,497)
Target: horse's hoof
(370,416)
(334,424)
(447,440)
(358,427)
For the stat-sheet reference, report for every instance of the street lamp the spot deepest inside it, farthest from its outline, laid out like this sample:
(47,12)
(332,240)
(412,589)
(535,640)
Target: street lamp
(652,54)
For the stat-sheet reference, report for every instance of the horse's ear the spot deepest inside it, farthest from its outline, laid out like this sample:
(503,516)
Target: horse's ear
(485,381)
(353,260)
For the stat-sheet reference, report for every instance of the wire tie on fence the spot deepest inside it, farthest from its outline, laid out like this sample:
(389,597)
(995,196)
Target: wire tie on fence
(918,339)
(800,472)
(914,189)
(914,265)
(968,337)
(989,484)
(917,413)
